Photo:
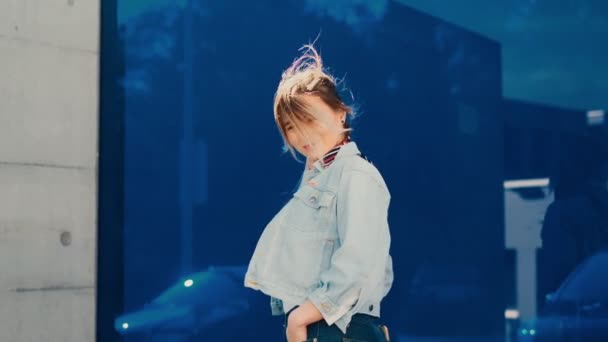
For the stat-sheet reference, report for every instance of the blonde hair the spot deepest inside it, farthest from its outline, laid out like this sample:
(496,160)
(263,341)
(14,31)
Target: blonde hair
(306,76)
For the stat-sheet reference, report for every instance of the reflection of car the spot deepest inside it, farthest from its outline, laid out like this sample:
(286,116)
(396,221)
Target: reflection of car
(578,310)
(195,303)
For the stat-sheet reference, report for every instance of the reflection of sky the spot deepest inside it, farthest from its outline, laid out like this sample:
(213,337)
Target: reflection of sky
(553,51)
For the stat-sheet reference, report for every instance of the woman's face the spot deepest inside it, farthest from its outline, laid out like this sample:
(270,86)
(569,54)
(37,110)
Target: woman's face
(317,137)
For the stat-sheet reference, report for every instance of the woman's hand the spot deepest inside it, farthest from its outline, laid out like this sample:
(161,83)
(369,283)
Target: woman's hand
(299,319)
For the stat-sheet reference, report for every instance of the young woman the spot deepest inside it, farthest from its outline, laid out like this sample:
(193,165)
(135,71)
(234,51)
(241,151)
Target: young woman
(324,258)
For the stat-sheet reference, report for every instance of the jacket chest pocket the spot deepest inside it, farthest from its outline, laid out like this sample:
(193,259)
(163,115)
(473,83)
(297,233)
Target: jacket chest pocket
(311,209)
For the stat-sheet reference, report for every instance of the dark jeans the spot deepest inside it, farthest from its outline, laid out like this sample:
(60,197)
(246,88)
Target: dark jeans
(362,328)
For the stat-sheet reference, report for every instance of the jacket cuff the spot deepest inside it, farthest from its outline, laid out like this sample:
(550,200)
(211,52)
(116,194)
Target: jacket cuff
(331,311)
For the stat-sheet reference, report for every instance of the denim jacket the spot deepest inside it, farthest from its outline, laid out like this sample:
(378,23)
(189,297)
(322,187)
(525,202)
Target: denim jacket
(330,243)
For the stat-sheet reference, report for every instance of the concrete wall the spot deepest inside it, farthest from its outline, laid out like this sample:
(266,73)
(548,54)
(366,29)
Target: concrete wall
(49,59)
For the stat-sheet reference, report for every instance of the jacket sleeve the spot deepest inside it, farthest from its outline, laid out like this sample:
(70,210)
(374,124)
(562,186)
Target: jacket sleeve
(362,221)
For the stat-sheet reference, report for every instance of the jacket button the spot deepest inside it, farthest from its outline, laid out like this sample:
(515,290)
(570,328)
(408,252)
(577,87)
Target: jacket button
(371,307)
(312,199)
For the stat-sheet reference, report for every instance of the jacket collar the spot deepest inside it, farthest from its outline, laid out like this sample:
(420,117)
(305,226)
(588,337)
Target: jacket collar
(346,150)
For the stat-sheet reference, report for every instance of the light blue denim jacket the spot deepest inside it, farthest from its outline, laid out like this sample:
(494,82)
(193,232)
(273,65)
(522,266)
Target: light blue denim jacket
(330,243)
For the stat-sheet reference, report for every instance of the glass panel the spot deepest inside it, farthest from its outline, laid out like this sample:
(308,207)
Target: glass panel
(485,119)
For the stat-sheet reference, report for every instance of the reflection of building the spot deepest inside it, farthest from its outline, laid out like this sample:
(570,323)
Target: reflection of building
(538,136)
(543,145)
(525,205)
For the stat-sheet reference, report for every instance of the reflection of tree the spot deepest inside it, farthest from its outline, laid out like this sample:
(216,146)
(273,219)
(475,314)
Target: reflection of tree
(353,13)
(150,41)
(129,10)
(152,85)
(153,35)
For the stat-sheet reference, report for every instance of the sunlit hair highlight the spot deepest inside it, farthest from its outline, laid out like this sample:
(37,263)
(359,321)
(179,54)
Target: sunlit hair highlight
(306,76)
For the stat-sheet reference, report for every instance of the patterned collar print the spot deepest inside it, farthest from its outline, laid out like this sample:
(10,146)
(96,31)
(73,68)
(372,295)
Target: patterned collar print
(329,157)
